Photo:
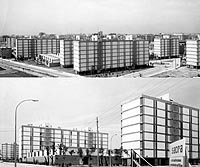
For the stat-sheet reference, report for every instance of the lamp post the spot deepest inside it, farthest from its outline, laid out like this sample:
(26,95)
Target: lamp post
(111,148)
(15,144)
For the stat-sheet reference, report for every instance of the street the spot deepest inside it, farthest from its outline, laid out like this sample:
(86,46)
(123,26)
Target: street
(8,164)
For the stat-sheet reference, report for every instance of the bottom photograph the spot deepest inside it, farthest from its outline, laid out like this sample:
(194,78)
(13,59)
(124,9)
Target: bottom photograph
(100,122)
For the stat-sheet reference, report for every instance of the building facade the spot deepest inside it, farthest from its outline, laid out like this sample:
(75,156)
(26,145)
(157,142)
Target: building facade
(193,53)
(66,53)
(29,48)
(8,151)
(5,52)
(36,138)
(166,47)
(149,125)
(109,54)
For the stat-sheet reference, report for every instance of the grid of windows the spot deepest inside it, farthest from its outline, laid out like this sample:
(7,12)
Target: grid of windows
(98,55)
(37,138)
(161,123)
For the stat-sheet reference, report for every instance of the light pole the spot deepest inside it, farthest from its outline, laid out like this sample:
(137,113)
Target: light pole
(15,144)
(111,148)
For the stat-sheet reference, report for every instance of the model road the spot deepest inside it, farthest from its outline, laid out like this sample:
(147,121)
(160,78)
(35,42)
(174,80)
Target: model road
(35,70)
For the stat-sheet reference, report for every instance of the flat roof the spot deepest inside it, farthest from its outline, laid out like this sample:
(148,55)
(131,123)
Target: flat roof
(158,99)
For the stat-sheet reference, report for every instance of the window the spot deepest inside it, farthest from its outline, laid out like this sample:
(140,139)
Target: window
(160,129)
(148,136)
(195,113)
(195,120)
(148,102)
(194,127)
(161,113)
(160,121)
(148,110)
(160,137)
(185,125)
(185,111)
(161,153)
(161,105)
(194,134)
(160,146)
(148,119)
(148,153)
(185,118)
(185,132)
(148,127)
(148,145)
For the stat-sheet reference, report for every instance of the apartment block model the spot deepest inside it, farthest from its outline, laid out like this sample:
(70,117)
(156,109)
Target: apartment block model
(149,125)
(193,53)
(36,138)
(166,47)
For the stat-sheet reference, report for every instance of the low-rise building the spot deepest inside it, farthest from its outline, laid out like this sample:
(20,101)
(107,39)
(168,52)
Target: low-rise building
(50,60)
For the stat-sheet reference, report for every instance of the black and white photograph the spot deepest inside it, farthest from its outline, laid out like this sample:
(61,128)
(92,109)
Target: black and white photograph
(91,83)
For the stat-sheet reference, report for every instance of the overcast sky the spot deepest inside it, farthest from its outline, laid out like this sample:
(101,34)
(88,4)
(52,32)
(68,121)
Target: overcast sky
(75,103)
(88,16)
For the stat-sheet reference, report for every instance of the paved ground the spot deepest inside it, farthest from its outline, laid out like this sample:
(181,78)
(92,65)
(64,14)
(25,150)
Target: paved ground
(180,72)
(40,71)
(6,164)
(8,72)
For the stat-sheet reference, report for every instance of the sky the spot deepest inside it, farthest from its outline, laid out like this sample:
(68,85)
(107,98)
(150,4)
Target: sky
(76,103)
(26,17)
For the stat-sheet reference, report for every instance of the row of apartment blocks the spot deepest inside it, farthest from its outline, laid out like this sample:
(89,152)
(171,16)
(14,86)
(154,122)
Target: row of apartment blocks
(37,138)
(88,55)
(150,124)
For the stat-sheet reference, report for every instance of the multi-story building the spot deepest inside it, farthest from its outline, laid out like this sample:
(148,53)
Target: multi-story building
(193,53)
(8,151)
(10,42)
(25,48)
(166,47)
(109,54)
(141,52)
(29,48)
(45,46)
(149,125)
(36,138)
(66,53)
(5,52)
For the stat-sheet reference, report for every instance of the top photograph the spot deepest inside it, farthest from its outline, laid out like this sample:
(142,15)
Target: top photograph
(106,39)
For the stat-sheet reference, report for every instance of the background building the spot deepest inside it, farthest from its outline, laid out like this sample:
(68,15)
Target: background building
(8,151)
(193,53)
(29,48)
(166,47)
(5,52)
(36,138)
(149,125)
